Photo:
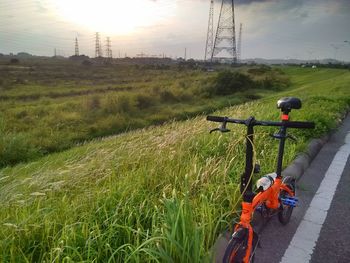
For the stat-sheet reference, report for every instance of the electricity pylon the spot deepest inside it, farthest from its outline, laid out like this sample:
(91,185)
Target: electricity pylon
(210,34)
(225,40)
(97,45)
(76,47)
(239,46)
(108,48)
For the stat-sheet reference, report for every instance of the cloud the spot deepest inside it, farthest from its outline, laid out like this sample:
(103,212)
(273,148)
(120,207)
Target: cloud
(248,2)
(40,8)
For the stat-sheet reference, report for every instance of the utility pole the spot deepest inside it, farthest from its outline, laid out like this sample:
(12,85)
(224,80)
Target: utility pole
(76,53)
(210,33)
(55,53)
(185,54)
(225,40)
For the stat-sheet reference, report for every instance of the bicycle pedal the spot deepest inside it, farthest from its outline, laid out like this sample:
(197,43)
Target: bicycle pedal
(290,201)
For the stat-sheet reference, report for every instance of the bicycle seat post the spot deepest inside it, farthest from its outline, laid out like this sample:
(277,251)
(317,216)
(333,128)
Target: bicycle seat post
(286,105)
(246,184)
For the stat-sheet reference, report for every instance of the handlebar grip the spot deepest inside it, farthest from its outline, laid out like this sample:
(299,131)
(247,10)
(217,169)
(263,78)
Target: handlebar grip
(300,124)
(216,118)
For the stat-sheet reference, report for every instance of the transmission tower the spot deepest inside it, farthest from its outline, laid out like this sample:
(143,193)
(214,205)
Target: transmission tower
(108,48)
(225,40)
(101,50)
(97,45)
(239,46)
(210,34)
(76,47)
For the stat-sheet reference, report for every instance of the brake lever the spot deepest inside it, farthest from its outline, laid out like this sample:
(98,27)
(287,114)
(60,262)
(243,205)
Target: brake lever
(222,128)
(213,130)
(292,137)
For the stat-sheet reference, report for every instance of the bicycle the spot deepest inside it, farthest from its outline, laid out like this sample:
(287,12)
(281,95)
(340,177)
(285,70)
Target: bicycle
(275,194)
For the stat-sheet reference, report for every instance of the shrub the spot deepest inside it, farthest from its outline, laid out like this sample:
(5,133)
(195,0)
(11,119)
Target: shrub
(122,104)
(93,103)
(144,101)
(15,148)
(259,70)
(125,104)
(228,82)
(252,96)
(274,82)
(168,96)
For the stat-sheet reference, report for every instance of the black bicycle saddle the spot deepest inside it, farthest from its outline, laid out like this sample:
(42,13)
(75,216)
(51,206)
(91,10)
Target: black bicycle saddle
(288,103)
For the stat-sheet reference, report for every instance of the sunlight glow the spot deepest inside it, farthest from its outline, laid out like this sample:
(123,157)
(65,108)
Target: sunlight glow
(114,17)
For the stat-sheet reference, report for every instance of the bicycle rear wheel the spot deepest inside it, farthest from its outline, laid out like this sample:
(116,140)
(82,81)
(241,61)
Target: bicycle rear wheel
(286,210)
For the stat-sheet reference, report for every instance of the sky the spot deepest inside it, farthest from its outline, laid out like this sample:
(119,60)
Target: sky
(272,29)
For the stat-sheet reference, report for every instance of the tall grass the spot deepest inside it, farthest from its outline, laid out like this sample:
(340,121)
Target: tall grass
(161,194)
(82,103)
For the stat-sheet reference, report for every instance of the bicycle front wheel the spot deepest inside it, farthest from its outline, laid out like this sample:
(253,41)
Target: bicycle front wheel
(237,248)
(235,251)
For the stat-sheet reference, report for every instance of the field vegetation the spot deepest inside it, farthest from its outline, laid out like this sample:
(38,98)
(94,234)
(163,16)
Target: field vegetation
(51,105)
(160,194)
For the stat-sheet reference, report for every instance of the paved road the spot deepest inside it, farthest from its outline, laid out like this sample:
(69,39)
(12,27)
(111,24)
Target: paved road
(333,242)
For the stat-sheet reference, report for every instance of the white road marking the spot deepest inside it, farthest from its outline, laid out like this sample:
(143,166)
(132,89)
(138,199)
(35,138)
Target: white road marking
(304,241)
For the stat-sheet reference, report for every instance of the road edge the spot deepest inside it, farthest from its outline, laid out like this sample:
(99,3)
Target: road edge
(303,160)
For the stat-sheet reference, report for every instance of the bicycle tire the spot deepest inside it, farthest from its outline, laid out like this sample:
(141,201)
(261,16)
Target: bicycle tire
(235,251)
(286,211)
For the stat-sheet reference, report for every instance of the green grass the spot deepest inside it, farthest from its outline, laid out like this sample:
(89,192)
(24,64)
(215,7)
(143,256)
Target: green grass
(51,107)
(160,194)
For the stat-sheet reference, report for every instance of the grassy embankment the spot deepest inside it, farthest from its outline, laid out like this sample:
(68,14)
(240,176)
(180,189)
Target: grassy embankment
(51,106)
(158,194)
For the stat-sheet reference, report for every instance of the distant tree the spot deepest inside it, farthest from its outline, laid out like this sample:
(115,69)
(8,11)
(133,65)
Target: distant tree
(23,54)
(14,61)
(86,63)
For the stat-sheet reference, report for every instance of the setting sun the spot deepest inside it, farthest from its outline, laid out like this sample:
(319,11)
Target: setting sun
(114,17)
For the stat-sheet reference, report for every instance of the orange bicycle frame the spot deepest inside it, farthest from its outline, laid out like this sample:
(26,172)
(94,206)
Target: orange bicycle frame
(270,198)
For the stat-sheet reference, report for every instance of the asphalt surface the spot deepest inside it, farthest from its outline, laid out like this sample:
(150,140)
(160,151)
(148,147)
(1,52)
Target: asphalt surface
(333,244)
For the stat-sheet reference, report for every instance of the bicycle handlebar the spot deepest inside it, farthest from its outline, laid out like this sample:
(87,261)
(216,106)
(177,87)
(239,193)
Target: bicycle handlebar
(287,124)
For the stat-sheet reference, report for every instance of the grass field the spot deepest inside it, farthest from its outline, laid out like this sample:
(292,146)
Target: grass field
(160,194)
(50,106)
